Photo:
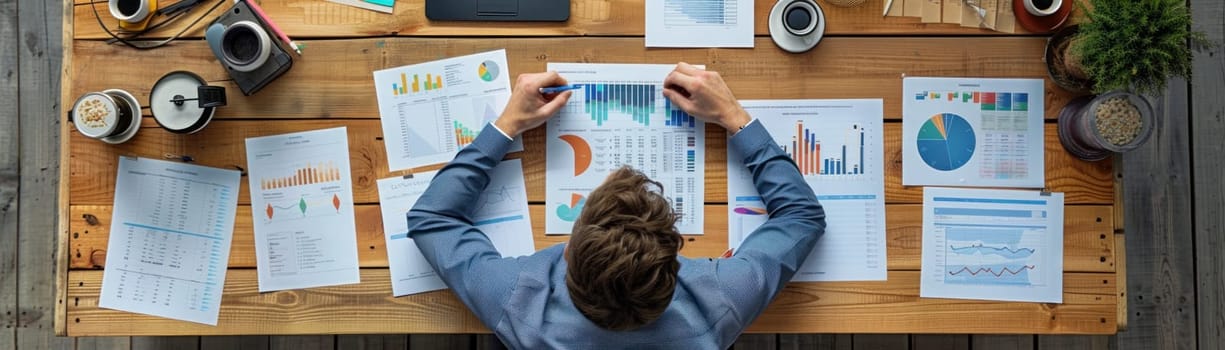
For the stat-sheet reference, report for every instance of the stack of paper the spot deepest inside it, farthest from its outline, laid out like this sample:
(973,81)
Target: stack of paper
(996,15)
(385,6)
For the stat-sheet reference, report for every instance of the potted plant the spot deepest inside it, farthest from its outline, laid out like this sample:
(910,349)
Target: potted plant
(1122,50)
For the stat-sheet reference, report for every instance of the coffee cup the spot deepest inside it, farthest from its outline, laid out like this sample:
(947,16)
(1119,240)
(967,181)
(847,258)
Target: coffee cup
(130,11)
(800,18)
(1042,7)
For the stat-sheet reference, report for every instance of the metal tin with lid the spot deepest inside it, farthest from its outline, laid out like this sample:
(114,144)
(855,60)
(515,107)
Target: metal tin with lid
(112,116)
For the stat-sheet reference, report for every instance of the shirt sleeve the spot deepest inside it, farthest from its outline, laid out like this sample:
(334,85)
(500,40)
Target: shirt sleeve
(441,226)
(770,255)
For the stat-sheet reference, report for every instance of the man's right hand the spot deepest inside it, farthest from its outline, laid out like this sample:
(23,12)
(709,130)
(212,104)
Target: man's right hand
(528,108)
(704,95)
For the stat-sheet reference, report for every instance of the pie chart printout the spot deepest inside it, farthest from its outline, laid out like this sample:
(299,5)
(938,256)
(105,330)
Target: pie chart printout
(946,142)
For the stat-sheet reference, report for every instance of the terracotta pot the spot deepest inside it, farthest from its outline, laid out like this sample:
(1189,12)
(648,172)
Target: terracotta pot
(1057,62)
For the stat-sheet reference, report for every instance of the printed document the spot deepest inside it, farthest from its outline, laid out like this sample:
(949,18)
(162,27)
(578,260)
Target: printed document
(431,110)
(169,247)
(699,23)
(838,146)
(620,117)
(992,245)
(973,132)
(501,213)
(302,208)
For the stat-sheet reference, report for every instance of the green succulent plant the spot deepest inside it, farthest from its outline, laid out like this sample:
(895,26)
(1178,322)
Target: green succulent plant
(1136,44)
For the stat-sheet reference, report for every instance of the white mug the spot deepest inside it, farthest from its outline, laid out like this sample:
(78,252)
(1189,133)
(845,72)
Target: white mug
(1034,10)
(134,15)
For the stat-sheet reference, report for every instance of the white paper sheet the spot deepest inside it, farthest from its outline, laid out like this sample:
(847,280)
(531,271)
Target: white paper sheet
(431,110)
(620,117)
(973,132)
(501,213)
(302,209)
(699,23)
(169,247)
(992,245)
(838,146)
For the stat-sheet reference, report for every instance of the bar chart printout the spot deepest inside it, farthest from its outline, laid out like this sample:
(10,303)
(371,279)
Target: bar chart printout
(302,209)
(430,111)
(699,23)
(170,239)
(837,146)
(620,117)
(992,245)
(501,213)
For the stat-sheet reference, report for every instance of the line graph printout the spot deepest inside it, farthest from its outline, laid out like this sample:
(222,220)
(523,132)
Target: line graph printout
(302,209)
(992,245)
(972,132)
(431,110)
(501,213)
(699,23)
(620,117)
(170,239)
(838,146)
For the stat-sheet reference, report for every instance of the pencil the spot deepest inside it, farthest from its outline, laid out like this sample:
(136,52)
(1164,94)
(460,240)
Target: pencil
(260,12)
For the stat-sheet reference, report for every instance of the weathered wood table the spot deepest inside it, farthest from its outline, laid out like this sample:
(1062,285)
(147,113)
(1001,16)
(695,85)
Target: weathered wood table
(863,56)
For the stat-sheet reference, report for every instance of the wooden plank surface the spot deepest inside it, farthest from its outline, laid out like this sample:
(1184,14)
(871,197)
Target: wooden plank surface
(10,174)
(1207,126)
(440,341)
(165,343)
(940,342)
(1086,240)
(882,342)
(40,53)
(814,341)
(314,19)
(336,81)
(1161,262)
(60,245)
(756,342)
(302,342)
(1079,342)
(94,164)
(104,343)
(1002,342)
(892,306)
(249,342)
(372,342)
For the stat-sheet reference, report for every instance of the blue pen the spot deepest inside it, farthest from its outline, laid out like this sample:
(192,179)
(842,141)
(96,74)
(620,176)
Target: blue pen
(559,89)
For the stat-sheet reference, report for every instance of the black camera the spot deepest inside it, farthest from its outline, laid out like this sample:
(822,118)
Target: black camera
(247,48)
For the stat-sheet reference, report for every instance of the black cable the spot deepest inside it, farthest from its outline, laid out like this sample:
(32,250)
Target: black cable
(151,45)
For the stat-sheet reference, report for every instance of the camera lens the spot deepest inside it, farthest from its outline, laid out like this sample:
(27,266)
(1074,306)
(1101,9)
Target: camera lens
(241,45)
(246,46)
(129,7)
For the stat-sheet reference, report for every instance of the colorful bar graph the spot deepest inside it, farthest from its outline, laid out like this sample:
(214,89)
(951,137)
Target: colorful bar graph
(318,173)
(988,101)
(463,135)
(432,82)
(636,100)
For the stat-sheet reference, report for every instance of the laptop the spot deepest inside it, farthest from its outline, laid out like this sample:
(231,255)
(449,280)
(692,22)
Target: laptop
(498,10)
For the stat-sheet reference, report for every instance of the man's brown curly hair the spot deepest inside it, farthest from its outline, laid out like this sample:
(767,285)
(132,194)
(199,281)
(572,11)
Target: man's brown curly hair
(622,253)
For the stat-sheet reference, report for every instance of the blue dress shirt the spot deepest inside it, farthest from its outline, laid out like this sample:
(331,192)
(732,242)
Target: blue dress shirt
(525,300)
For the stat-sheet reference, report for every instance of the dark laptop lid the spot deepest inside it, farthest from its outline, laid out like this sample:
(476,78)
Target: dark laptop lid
(497,10)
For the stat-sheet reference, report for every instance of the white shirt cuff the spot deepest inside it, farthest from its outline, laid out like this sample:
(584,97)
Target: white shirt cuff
(495,127)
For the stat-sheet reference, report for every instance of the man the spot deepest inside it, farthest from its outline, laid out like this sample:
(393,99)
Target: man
(619,282)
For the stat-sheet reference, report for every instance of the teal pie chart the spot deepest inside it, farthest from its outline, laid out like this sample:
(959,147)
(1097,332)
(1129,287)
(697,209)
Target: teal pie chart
(946,142)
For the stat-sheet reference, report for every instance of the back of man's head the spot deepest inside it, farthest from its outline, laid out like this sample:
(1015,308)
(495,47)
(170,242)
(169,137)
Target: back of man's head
(622,253)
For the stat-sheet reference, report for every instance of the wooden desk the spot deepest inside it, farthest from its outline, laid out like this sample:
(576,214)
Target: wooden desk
(332,86)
